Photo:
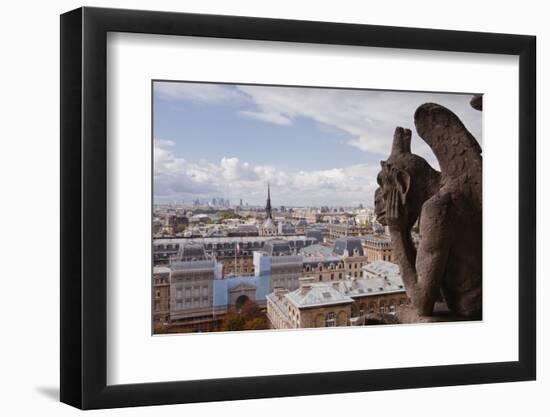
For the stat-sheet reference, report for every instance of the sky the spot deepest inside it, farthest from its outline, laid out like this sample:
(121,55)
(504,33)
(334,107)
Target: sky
(314,146)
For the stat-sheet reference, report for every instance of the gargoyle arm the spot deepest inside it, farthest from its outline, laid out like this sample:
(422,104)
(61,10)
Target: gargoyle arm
(423,270)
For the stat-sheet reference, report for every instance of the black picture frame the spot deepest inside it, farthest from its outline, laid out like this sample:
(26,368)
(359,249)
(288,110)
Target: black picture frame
(84,207)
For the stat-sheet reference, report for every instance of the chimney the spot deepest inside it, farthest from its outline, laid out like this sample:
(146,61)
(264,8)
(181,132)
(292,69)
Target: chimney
(305,284)
(280,292)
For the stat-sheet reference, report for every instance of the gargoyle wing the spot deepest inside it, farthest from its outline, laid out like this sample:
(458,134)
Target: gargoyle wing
(456,150)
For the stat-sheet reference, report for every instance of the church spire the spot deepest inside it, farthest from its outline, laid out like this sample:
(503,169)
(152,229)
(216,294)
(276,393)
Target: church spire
(268,205)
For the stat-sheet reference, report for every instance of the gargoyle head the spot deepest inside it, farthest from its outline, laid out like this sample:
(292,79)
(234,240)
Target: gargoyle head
(409,174)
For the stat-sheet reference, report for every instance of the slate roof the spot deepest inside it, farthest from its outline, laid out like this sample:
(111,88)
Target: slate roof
(191,265)
(317,250)
(277,247)
(268,224)
(193,251)
(350,244)
(317,294)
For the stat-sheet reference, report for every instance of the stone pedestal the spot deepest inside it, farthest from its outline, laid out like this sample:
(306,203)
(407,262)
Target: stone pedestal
(408,315)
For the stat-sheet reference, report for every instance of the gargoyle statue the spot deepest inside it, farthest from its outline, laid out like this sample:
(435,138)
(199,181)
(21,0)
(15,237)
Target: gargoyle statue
(446,204)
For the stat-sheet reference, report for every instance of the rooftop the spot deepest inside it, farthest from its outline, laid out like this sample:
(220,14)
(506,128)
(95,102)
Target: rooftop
(383,268)
(317,250)
(351,244)
(317,294)
(370,286)
(160,270)
(376,238)
(205,240)
(268,224)
(277,247)
(191,265)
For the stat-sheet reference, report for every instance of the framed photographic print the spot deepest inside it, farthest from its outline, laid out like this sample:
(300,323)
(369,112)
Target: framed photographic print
(258,207)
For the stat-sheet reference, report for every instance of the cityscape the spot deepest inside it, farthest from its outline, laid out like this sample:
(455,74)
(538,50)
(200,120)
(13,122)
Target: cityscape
(243,253)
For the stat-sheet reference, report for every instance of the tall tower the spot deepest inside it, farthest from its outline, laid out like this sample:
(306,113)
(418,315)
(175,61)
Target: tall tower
(268,205)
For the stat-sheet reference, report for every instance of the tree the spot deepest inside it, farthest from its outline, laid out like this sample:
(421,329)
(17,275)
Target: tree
(225,215)
(233,321)
(258,323)
(250,310)
(180,228)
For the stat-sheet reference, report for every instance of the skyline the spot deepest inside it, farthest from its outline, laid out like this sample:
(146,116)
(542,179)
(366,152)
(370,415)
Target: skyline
(315,146)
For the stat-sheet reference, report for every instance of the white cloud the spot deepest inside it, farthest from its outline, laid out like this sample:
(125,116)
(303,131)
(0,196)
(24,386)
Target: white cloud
(177,179)
(275,118)
(165,143)
(367,120)
(368,117)
(208,93)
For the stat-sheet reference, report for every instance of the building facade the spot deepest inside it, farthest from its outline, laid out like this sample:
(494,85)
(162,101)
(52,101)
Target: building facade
(240,265)
(166,250)
(377,247)
(324,268)
(283,270)
(191,291)
(311,305)
(161,294)
(380,291)
(350,301)
(342,230)
(351,251)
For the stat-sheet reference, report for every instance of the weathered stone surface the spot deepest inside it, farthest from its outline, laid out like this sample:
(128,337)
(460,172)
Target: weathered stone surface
(409,314)
(448,206)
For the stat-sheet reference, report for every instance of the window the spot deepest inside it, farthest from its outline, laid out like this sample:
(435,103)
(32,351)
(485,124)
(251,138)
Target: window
(330,319)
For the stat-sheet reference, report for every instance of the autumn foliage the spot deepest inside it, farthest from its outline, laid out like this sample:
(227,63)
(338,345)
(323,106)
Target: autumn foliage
(248,317)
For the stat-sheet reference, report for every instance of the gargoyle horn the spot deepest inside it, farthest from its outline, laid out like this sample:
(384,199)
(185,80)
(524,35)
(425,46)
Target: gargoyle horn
(401,142)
